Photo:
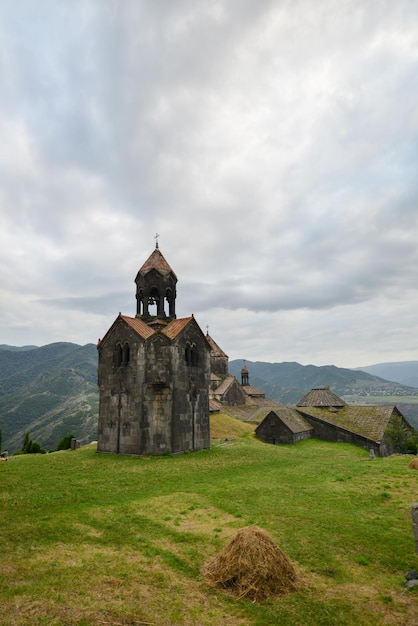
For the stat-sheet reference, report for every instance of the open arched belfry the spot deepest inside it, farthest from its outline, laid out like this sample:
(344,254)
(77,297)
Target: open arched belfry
(153,373)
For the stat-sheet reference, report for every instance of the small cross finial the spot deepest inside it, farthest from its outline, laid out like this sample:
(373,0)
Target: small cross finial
(156,239)
(207,329)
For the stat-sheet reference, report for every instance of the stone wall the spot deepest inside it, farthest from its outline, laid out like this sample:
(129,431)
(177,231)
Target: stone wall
(158,401)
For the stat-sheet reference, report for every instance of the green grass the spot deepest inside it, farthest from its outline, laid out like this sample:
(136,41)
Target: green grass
(102,539)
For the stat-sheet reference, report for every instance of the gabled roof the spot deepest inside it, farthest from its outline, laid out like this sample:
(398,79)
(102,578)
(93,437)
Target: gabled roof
(215,350)
(369,421)
(175,327)
(156,261)
(214,406)
(141,329)
(145,331)
(138,326)
(290,417)
(321,396)
(253,392)
(225,385)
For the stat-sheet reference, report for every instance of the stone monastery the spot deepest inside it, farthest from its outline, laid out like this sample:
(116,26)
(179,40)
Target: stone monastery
(160,377)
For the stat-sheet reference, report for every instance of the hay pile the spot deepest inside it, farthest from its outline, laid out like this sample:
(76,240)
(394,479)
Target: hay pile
(251,566)
(413,464)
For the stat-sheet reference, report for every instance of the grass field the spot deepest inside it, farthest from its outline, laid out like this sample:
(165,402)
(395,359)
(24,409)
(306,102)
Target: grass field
(92,539)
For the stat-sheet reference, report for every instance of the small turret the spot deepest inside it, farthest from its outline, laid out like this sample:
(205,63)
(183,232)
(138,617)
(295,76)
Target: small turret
(156,289)
(244,375)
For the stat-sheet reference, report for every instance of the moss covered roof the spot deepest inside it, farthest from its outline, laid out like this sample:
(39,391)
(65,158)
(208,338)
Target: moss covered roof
(290,417)
(366,420)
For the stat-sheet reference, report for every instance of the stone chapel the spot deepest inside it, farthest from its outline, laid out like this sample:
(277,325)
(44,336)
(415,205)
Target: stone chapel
(154,373)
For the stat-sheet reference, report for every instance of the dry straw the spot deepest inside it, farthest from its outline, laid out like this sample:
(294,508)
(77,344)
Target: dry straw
(251,566)
(413,464)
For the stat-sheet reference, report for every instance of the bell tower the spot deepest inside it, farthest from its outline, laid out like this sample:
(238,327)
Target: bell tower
(156,289)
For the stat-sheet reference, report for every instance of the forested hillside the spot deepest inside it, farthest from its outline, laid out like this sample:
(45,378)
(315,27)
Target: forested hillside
(49,391)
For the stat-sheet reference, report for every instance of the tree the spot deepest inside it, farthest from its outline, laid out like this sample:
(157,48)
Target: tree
(26,443)
(399,436)
(31,447)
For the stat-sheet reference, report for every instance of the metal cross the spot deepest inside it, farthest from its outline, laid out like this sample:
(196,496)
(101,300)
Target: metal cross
(156,239)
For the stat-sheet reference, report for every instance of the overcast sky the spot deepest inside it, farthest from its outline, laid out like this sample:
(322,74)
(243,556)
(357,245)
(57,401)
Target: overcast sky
(272,144)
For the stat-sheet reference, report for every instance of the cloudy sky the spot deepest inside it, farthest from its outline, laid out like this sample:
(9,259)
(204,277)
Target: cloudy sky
(272,144)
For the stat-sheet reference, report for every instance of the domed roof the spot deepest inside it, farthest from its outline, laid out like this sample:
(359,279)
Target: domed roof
(156,261)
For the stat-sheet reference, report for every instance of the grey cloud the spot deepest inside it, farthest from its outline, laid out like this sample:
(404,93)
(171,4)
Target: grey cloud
(106,305)
(272,146)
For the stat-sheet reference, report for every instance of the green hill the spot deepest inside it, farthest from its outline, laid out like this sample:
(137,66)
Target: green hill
(49,391)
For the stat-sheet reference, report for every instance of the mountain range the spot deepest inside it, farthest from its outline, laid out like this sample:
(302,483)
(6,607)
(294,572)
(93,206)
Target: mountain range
(51,391)
(404,372)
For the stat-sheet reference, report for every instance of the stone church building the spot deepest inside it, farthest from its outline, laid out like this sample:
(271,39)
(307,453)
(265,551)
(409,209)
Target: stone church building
(154,373)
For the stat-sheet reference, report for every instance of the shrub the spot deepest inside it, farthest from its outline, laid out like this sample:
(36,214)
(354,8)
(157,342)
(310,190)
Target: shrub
(31,447)
(65,443)
(36,448)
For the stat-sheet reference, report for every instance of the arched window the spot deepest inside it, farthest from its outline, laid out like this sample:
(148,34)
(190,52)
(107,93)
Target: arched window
(117,355)
(194,356)
(154,301)
(191,355)
(187,354)
(125,354)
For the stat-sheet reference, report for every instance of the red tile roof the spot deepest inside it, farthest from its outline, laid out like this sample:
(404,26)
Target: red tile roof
(174,328)
(156,261)
(142,329)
